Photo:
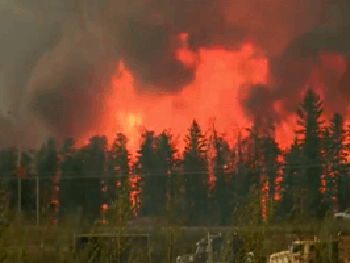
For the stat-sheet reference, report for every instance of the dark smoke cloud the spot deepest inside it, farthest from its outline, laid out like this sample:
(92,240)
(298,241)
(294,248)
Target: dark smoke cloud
(147,45)
(24,40)
(259,103)
(18,57)
(292,68)
(147,51)
(61,100)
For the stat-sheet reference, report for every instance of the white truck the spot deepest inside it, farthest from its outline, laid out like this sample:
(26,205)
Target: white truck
(315,251)
(343,215)
(299,252)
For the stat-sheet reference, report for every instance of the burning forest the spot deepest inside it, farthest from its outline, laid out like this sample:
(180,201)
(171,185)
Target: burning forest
(227,96)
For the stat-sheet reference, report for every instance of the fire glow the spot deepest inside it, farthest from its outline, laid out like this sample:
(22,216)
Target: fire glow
(221,79)
(214,93)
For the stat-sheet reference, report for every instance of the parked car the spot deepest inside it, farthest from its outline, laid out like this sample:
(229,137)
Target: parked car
(343,215)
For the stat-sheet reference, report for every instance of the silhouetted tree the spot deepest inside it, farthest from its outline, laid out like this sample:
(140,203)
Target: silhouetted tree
(270,154)
(254,160)
(165,162)
(67,191)
(47,168)
(8,169)
(309,120)
(343,180)
(243,178)
(328,175)
(339,156)
(28,192)
(222,193)
(195,167)
(147,170)
(118,186)
(292,173)
(93,161)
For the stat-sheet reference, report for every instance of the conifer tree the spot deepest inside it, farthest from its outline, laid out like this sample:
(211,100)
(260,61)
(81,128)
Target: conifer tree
(292,172)
(222,195)
(146,168)
(118,182)
(195,168)
(338,162)
(93,161)
(309,120)
(48,167)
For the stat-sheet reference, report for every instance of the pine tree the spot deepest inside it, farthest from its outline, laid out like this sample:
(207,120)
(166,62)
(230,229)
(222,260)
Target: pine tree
(27,184)
(271,152)
(175,209)
(195,167)
(343,182)
(222,192)
(309,119)
(338,160)
(165,163)
(118,166)
(292,172)
(8,169)
(119,186)
(147,170)
(48,167)
(254,161)
(93,161)
(67,202)
(261,166)
(243,180)
(328,176)
(156,160)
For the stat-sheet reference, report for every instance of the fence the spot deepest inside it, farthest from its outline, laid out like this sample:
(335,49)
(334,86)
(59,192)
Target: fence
(38,199)
(87,197)
(167,244)
(68,203)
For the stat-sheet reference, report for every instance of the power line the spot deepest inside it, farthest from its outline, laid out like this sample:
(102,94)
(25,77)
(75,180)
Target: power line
(192,173)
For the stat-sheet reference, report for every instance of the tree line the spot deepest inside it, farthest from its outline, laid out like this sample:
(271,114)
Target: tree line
(203,184)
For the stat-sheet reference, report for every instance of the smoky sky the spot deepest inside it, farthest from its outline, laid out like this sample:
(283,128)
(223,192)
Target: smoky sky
(58,57)
(292,68)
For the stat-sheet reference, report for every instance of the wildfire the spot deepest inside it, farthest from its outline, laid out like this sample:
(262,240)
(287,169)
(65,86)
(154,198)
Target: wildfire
(214,92)
(186,56)
(221,78)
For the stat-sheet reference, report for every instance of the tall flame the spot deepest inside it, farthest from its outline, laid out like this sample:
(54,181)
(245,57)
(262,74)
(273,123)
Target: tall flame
(219,77)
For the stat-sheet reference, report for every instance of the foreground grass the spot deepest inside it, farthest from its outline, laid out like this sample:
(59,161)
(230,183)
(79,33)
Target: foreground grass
(21,243)
(47,243)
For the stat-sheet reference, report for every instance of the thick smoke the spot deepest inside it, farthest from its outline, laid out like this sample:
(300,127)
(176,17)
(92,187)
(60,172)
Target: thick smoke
(58,57)
(292,68)
(291,71)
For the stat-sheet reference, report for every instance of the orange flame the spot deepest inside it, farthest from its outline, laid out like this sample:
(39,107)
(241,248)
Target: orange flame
(214,92)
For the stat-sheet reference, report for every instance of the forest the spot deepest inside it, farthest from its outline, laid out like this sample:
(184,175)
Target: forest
(201,185)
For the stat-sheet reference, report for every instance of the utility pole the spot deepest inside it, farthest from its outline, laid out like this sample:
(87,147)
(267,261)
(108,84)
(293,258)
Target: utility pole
(18,165)
(19,208)
(331,249)
(37,200)
(210,250)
